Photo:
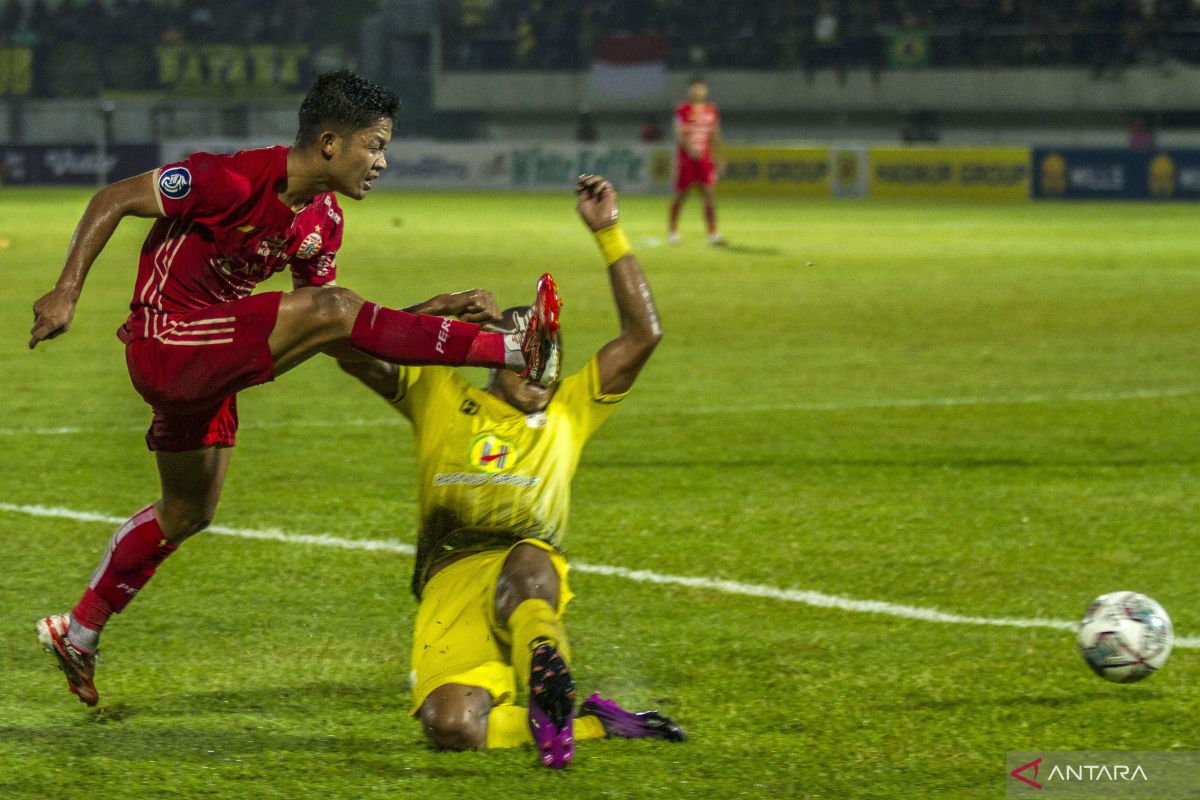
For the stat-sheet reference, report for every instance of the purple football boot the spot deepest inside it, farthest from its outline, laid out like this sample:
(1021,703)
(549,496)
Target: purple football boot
(629,725)
(551,706)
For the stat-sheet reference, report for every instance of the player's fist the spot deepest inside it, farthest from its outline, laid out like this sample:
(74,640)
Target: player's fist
(596,200)
(475,305)
(52,315)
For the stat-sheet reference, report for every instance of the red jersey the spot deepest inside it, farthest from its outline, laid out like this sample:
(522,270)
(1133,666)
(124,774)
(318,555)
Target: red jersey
(224,229)
(698,125)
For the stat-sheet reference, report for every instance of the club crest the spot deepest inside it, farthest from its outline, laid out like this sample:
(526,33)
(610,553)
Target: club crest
(310,246)
(490,453)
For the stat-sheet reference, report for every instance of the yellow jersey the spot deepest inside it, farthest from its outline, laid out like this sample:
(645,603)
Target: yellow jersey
(491,475)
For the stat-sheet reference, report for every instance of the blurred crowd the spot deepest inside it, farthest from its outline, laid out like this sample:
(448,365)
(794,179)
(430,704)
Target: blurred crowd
(839,34)
(81,45)
(85,45)
(165,21)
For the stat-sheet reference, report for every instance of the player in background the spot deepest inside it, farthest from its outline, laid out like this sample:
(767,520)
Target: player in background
(698,158)
(495,467)
(197,336)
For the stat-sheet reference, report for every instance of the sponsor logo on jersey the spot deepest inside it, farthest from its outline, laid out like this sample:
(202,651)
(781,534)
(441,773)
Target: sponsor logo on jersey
(475,479)
(309,247)
(443,336)
(175,183)
(325,264)
(490,453)
(273,247)
(469,407)
(222,264)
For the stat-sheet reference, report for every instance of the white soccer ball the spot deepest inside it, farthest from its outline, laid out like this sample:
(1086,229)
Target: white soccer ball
(1125,636)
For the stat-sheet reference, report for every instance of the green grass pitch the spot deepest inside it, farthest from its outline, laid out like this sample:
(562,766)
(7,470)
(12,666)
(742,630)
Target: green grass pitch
(986,410)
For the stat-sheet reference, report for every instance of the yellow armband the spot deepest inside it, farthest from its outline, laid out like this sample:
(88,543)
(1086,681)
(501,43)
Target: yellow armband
(613,244)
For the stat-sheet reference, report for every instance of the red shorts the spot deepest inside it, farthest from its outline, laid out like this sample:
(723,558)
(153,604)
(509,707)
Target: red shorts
(191,373)
(690,170)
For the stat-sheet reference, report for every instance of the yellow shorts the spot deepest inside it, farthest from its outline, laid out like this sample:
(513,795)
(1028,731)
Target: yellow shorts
(456,638)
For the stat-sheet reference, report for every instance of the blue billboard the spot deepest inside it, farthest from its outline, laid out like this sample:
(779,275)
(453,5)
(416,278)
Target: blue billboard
(73,163)
(1116,174)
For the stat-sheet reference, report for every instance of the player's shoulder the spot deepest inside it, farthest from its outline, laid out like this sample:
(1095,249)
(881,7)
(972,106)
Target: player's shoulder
(683,109)
(333,209)
(434,380)
(243,161)
(232,176)
(260,159)
(583,387)
(420,390)
(245,167)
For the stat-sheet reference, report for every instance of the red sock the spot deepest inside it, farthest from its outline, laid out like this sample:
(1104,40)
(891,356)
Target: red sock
(673,224)
(710,217)
(404,338)
(133,553)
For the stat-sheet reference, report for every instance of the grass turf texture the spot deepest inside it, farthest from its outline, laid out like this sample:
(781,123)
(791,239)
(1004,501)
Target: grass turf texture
(748,451)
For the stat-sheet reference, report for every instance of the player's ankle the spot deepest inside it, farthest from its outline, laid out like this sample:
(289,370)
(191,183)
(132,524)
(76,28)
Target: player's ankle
(84,639)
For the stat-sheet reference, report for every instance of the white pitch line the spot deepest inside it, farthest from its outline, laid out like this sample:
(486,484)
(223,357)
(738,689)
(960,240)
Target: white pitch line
(800,596)
(747,408)
(262,534)
(949,402)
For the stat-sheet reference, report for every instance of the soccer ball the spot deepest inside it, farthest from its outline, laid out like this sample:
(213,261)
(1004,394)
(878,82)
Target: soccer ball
(1125,636)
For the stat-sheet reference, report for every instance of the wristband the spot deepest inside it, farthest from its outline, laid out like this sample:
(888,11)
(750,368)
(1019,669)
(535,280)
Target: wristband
(613,244)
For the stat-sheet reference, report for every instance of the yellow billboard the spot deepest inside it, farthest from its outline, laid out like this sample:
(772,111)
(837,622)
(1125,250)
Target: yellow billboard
(802,171)
(999,173)
(16,70)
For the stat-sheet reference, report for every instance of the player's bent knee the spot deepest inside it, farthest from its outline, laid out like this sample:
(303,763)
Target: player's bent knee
(453,721)
(325,307)
(176,528)
(337,306)
(456,733)
(530,563)
(528,573)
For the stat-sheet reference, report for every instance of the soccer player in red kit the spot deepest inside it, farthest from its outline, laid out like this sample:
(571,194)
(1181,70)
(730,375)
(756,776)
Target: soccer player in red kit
(197,336)
(698,135)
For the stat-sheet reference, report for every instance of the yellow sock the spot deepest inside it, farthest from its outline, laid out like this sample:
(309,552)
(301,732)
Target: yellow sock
(533,619)
(589,727)
(508,726)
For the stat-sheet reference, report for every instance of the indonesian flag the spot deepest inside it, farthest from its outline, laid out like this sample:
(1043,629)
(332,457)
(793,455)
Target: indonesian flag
(630,65)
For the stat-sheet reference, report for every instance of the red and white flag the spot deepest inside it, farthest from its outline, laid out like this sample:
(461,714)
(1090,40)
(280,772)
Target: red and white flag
(630,65)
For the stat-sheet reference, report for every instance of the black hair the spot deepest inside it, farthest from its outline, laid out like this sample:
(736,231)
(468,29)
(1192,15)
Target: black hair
(344,102)
(692,81)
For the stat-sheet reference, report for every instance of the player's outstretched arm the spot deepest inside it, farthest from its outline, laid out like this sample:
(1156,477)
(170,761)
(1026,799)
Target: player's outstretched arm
(53,312)
(621,359)
(378,376)
(475,305)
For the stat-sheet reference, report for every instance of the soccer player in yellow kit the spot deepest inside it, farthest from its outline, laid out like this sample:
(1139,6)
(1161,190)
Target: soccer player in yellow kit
(495,470)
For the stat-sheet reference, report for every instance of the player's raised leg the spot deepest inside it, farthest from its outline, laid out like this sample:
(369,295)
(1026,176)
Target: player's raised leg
(314,319)
(191,487)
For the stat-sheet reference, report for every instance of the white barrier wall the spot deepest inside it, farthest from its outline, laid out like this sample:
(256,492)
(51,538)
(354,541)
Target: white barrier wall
(989,91)
(499,166)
